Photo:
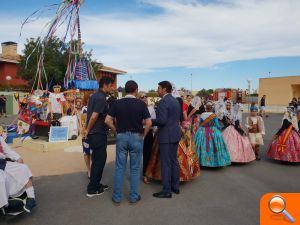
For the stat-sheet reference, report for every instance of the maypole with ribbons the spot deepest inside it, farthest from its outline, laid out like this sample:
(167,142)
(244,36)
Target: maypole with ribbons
(79,78)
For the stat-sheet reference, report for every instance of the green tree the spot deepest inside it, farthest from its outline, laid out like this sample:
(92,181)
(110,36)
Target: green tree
(56,55)
(152,94)
(205,93)
(55,60)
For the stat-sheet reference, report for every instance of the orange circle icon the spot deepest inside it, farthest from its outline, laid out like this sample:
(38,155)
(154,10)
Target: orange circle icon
(277,204)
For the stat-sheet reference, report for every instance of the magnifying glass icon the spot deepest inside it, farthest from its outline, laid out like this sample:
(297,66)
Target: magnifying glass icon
(277,205)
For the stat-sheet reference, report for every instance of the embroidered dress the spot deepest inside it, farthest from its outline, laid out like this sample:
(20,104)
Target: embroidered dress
(285,145)
(188,160)
(210,146)
(238,144)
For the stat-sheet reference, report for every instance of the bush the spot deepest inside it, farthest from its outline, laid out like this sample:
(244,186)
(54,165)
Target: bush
(152,94)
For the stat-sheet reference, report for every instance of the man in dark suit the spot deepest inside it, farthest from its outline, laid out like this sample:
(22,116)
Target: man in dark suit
(169,134)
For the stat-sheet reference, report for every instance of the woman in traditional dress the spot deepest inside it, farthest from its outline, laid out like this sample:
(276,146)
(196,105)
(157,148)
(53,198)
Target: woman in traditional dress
(148,140)
(187,157)
(210,146)
(285,145)
(298,117)
(238,144)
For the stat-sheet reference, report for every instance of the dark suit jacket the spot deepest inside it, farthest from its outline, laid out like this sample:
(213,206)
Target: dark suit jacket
(167,120)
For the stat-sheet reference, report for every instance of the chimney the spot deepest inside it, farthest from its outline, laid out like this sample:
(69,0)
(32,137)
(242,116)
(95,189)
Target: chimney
(9,49)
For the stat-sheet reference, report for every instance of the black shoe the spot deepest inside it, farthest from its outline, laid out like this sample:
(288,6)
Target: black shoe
(136,201)
(14,208)
(91,194)
(105,187)
(257,158)
(177,192)
(34,137)
(162,195)
(30,204)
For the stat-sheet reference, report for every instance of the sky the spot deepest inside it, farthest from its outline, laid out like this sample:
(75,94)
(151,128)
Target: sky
(193,43)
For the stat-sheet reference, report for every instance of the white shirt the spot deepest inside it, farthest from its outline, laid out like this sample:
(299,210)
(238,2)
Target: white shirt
(205,115)
(129,96)
(8,152)
(152,112)
(56,101)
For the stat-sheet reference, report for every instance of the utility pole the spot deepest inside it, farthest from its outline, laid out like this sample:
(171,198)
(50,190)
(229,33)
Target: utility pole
(249,93)
(191,84)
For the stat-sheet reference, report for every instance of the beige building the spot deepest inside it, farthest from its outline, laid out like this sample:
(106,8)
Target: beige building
(279,90)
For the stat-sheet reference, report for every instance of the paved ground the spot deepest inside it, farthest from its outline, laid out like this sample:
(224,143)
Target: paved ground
(227,196)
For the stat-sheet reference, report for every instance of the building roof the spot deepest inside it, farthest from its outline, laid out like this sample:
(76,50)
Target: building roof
(294,76)
(9,43)
(226,89)
(111,70)
(9,60)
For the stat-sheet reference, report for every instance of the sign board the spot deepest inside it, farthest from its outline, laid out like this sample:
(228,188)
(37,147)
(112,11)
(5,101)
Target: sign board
(58,134)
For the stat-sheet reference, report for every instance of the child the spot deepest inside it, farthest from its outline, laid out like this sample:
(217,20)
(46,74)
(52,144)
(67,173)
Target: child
(85,145)
(256,129)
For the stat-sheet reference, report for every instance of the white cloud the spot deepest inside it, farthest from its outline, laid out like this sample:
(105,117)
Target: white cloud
(188,33)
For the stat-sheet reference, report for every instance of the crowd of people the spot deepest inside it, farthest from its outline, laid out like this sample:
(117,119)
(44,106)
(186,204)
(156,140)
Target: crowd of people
(177,136)
(169,141)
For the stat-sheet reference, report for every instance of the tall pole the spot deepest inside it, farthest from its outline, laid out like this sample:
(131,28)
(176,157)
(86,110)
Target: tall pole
(249,93)
(269,74)
(191,83)
(79,44)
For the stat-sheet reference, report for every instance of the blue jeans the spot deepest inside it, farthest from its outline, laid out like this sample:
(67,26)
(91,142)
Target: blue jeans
(131,143)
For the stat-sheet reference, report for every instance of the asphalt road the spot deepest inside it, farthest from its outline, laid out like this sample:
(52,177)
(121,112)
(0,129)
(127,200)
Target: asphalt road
(228,196)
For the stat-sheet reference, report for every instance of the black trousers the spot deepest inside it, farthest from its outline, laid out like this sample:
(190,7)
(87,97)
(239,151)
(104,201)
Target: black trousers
(2,109)
(98,144)
(169,166)
(147,149)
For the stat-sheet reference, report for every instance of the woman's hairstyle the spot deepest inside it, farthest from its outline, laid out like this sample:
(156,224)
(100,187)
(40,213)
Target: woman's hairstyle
(181,108)
(209,106)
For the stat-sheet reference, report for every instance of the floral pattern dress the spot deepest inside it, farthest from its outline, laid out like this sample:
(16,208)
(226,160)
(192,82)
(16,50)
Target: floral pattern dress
(285,145)
(210,145)
(187,157)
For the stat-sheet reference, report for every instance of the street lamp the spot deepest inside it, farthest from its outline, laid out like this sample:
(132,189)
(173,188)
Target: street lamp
(249,92)
(191,84)
(249,86)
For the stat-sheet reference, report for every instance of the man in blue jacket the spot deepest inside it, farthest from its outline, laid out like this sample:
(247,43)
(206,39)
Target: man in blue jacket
(169,134)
